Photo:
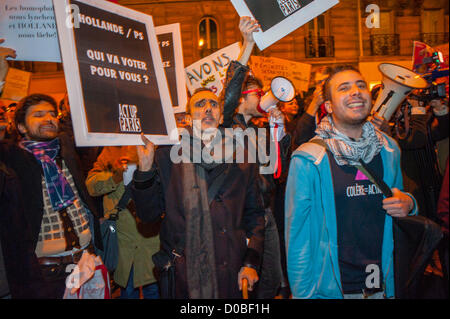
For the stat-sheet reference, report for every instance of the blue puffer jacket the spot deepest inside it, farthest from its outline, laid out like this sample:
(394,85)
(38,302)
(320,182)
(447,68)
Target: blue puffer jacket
(310,223)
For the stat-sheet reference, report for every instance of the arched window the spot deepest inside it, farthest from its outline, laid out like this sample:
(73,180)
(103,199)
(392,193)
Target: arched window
(208,36)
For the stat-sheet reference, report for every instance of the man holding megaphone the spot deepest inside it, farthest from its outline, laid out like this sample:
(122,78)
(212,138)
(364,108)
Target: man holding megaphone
(337,214)
(238,111)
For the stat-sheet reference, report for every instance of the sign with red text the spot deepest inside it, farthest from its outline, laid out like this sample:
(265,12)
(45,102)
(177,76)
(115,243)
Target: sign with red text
(115,78)
(266,68)
(210,72)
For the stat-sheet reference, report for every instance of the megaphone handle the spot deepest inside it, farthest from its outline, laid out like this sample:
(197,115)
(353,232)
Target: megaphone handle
(277,173)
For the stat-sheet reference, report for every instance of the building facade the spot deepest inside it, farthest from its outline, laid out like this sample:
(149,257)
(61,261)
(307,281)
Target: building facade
(352,32)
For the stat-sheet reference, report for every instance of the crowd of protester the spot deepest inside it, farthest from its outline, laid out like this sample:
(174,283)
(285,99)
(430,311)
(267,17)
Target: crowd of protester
(200,231)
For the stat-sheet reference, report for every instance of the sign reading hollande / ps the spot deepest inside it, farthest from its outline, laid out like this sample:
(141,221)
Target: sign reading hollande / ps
(29,27)
(115,78)
(278,18)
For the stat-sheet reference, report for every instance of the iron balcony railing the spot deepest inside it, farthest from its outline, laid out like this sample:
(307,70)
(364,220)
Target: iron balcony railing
(385,44)
(433,39)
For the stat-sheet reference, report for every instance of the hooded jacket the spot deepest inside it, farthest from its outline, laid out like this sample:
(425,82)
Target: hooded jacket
(311,227)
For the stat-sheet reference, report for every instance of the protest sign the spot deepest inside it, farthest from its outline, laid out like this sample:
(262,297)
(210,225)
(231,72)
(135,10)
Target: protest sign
(267,68)
(115,79)
(278,18)
(29,27)
(420,52)
(169,40)
(210,72)
(17,84)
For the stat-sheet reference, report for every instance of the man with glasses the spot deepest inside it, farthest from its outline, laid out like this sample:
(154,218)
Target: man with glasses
(240,106)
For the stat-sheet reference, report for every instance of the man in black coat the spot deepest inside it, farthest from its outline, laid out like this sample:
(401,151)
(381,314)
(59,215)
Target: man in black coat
(213,225)
(60,217)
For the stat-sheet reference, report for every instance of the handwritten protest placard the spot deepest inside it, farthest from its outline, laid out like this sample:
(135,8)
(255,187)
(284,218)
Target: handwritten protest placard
(29,27)
(116,83)
(17,84)
(268,68)
(210,72)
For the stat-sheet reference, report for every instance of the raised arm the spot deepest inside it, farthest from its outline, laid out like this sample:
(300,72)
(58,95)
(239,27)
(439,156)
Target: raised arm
(4,53)
(146,189)
(237,70)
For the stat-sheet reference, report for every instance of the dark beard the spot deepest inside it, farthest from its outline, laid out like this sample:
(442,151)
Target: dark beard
(39,138)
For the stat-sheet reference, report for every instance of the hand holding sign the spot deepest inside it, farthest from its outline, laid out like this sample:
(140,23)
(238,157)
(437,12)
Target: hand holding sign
(247,26)
(146,154)
(278,18)
(5,53)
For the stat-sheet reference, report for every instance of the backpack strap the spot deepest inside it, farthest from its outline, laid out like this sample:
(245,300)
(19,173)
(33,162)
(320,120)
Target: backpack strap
(366,170)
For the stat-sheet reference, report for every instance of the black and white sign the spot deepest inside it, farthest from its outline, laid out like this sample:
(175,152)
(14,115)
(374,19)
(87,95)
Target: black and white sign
(114,74)
(169,39)
(278,18)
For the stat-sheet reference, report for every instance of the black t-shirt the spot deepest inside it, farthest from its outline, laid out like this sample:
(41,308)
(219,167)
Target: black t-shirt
(360,223)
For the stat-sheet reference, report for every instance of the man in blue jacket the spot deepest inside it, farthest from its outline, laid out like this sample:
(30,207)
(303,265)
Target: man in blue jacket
(339,238)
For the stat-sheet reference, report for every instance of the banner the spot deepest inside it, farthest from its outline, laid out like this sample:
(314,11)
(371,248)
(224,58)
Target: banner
(29,27)
(17,84)
(115,79)
(267,68)
(278,18)
(169,40)
(210,72)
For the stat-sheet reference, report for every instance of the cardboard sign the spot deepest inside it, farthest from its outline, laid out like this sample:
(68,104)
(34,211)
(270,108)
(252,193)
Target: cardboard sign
(115,79)
(17,84)
(210,72)
(278,18)
(169,40)
(267,68)
(29,27)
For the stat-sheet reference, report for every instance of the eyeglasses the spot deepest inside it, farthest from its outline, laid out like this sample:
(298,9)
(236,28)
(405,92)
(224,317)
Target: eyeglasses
(259,92)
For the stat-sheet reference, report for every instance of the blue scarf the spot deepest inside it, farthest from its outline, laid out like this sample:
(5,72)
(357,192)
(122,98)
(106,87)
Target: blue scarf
(59,190)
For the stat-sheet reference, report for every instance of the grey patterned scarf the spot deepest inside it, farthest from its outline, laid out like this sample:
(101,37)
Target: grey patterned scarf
(347,151)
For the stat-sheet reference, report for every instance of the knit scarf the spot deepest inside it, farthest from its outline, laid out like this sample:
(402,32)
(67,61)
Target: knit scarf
(59,190)
(346,150)
(199,251)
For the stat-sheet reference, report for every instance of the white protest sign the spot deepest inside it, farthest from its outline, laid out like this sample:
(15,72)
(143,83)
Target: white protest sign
(210,72)
(114,74)
(29,27)
(278,18)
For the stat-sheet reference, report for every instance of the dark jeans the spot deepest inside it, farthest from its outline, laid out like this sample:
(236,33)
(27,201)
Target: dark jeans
(150,291)
(54,281)
(271,273)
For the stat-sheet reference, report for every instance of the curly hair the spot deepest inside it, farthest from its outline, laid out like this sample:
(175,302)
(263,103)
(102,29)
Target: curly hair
(27,102)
